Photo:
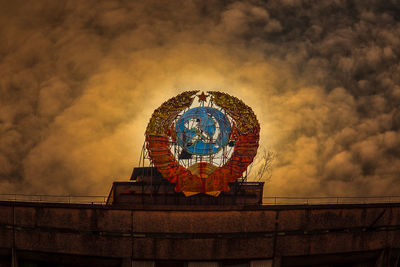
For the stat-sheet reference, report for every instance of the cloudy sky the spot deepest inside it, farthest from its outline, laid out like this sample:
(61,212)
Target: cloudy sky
(79,81)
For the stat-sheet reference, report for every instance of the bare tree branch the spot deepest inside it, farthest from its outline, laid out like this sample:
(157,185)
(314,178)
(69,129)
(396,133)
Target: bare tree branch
(262,165)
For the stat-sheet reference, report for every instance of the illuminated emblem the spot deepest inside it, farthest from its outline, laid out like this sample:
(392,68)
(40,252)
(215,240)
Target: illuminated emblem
(202,145)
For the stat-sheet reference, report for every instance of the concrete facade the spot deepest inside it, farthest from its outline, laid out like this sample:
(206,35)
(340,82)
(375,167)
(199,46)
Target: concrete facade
(286,235)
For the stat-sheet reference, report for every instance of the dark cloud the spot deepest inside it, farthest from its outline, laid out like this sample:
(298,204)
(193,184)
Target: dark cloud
(80,79)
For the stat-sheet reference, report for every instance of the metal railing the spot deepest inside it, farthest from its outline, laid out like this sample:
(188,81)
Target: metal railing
(273,200)
(54,198)
(329,200)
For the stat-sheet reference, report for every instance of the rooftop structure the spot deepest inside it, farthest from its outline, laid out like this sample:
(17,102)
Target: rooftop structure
(49,234)
(147,186)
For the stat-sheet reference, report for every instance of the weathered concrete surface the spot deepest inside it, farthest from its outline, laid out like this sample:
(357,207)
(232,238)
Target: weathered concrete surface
(204,221)
(6,218)
(202,234)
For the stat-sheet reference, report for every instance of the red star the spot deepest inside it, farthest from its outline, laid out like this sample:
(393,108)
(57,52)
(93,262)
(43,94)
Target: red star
(202,97)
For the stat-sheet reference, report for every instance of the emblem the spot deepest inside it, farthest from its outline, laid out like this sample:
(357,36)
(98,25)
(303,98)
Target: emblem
(202,145)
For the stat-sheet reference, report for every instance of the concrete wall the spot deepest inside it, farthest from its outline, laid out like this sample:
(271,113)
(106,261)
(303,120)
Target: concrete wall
(175,233)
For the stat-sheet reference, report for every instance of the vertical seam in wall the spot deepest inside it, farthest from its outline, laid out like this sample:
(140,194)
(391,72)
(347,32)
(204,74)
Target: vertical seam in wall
(132,245)
(13,226)
(307,222)
(13,250)
(275,238)
(387,232)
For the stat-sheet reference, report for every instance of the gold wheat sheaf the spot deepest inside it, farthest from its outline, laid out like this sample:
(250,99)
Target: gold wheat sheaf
(163,116)
(242,114)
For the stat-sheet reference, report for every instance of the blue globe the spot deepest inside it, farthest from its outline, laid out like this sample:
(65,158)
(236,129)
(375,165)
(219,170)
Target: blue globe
(203,131)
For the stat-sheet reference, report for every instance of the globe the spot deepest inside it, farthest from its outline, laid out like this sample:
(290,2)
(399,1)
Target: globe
(203,131)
